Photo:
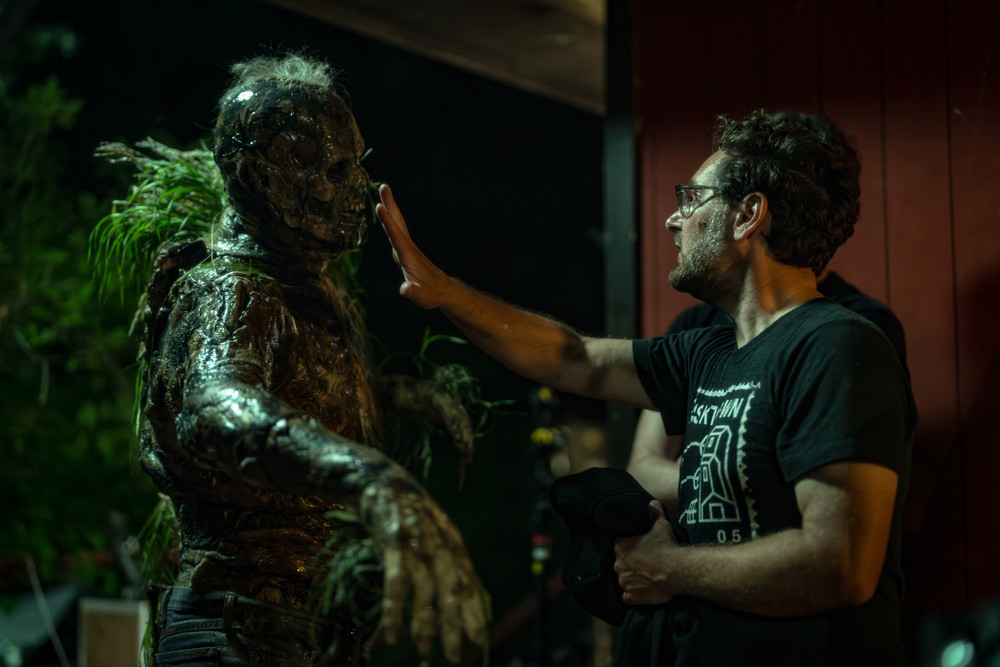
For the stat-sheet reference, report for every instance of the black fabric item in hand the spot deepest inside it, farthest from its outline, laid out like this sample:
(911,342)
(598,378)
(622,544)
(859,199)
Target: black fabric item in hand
(599,505)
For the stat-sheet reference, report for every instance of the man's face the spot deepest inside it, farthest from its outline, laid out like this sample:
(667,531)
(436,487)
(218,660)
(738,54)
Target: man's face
(316,177)
(703,238)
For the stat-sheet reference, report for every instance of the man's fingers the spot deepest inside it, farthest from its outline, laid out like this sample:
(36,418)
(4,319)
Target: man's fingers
(390,215)
(385,195)
(656,510)
(388,224)
(643,597)
(623,544)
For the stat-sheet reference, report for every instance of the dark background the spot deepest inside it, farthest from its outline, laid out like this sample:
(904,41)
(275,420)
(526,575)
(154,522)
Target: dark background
(500,187)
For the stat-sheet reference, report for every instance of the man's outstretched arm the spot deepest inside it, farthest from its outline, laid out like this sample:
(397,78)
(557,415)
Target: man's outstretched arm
(531,345)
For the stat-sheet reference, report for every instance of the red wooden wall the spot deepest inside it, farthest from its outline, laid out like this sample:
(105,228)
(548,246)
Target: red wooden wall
(916,85)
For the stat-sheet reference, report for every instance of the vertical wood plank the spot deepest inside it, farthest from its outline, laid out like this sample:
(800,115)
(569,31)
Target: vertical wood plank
(974,84)
(921,289)
(851,95)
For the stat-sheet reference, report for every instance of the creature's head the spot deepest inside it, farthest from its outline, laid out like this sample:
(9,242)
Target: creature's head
(290,150)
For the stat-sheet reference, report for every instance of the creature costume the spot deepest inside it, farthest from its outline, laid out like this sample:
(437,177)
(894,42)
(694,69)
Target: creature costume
(262,414)
(818,386)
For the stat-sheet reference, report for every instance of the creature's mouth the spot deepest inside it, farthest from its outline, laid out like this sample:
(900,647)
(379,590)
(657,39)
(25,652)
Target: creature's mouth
(325,209)
(338,229)
(353,218)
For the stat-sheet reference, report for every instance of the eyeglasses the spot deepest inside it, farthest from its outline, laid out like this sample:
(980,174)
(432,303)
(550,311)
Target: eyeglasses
(688,198)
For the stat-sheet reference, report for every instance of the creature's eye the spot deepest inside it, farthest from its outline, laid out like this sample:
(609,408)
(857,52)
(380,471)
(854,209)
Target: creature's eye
(303,152)
(338,170)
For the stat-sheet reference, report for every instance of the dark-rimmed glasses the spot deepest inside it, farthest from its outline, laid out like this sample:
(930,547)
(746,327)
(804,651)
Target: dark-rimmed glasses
(688,198)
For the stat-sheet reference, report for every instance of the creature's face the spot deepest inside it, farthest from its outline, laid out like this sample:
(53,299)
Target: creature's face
(291,159)
(315,178)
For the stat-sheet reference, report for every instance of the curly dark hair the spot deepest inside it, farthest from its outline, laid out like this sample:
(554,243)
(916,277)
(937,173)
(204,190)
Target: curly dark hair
(808,171)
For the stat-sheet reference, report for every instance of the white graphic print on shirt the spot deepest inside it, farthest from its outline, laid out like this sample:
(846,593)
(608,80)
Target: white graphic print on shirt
(713,488)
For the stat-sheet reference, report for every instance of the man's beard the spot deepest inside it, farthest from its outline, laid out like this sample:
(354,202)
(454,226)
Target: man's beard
(699,271)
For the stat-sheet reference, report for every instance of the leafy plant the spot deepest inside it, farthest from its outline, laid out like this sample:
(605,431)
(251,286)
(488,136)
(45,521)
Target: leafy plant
(178,196)
(353,580)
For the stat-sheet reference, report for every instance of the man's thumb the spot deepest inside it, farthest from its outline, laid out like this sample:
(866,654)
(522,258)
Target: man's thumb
(656,510)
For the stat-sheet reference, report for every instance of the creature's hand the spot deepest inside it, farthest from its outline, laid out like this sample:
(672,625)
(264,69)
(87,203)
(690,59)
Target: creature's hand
(428,401)
(423,553)
(643,562)
(423,283)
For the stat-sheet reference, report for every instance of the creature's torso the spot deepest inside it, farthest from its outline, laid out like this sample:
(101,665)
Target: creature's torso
(299,344)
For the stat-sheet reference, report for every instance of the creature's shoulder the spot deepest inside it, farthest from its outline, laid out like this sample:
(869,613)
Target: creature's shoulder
(193,269)
(172,262)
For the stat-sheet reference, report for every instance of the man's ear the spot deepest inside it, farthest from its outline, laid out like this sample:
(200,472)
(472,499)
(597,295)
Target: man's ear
(752,216)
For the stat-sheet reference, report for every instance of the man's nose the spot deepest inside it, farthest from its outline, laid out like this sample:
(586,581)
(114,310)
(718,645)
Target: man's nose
(673,223)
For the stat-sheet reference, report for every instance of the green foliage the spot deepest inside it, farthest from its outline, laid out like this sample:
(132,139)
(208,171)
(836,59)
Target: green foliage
(159,544)
(64,418)
(353,581)
(179,196)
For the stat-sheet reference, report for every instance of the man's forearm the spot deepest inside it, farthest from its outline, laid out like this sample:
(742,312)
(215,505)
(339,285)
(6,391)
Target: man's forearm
(544,349)
(531,345)
(779,575)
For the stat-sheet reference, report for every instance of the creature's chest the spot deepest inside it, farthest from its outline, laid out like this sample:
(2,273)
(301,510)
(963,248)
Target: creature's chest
(325,371)
(298,344)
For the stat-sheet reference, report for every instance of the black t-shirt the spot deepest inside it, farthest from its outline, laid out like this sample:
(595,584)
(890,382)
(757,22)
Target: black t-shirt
(818,386)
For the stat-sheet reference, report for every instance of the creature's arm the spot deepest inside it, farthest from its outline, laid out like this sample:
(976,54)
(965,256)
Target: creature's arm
(431,402)
(254,437)
(834,560)
(533,346)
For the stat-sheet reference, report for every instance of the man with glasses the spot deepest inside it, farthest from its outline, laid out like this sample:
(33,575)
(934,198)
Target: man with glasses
(653,460)
(799,419)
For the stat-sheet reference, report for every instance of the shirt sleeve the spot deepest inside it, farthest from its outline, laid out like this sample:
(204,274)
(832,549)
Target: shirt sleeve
(846,398)
(665,364)
(664,377)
